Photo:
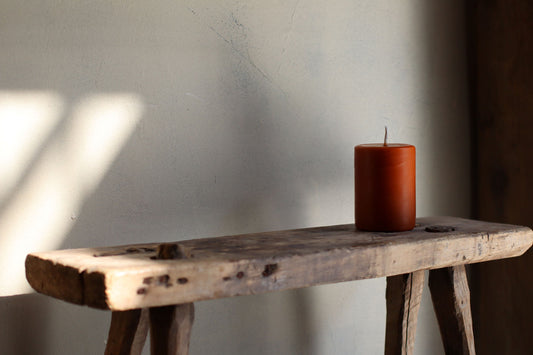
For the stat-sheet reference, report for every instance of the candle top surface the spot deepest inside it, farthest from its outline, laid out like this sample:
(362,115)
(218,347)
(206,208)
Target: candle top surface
(388,145)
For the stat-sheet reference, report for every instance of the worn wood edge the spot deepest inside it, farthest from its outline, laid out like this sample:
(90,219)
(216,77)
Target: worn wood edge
(62,282)
(210,280)
(117,289)
(404,236)
(525,236)
(66,283)
(94,290)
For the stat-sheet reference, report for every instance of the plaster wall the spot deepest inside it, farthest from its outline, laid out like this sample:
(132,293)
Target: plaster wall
(125,122)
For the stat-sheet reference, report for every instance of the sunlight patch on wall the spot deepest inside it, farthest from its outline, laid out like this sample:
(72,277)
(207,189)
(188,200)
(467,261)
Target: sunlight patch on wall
(45,206)
(26,120)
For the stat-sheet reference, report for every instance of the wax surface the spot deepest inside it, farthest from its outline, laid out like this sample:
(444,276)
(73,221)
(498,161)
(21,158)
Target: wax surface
(385,187)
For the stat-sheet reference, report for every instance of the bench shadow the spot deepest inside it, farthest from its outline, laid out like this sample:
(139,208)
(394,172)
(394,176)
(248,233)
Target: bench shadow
(24,317)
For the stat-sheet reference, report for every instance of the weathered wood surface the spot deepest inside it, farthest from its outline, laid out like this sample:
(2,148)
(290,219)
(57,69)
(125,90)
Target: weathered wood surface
(404,293)
(170,329)
(127,332)
(128,277)
(451,301)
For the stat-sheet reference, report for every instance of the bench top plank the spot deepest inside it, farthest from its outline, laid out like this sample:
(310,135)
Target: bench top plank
(129,277)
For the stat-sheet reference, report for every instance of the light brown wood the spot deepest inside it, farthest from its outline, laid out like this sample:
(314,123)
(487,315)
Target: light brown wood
(170,329)
(404,293)
(127,332)
(451,301)
(128,277)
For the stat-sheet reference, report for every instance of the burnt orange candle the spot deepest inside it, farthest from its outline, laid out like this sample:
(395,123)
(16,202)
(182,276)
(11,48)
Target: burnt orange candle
(385,188)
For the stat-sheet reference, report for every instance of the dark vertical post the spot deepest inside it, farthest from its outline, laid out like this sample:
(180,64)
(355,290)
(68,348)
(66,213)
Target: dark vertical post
(170,329)
(127,332)
(502,87)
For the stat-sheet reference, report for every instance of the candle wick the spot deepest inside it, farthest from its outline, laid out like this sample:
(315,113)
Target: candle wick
(385,140)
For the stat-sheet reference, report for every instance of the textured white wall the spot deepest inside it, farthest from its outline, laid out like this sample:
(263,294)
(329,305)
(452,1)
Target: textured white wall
(170,120)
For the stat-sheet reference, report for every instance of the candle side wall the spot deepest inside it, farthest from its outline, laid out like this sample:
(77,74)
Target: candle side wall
(168,120)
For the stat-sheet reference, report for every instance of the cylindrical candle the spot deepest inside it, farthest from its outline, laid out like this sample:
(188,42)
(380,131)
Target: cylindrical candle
(385,188)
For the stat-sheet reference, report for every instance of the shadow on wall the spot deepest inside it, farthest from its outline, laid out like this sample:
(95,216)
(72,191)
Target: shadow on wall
(16,311)
(442,30)
(34,324)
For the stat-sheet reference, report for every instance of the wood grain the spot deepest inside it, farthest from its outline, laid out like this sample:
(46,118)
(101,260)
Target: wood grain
(502,48)
(170,329)
(404,293)
(127,332)
(128,277)
(451,301)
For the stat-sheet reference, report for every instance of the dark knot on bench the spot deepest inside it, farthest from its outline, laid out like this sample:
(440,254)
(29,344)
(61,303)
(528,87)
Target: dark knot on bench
(170,251)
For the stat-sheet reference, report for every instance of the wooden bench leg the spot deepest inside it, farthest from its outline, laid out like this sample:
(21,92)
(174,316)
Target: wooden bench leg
(451,301)
(127,332)
(404,293)
(170,329)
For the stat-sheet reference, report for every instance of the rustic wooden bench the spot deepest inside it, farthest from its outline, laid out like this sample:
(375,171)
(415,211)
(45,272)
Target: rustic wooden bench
(154,285)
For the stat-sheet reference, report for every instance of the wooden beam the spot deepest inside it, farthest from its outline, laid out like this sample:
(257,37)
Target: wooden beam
(451,301)
(502,53)
(404,293)
(130,277)
(127,332)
